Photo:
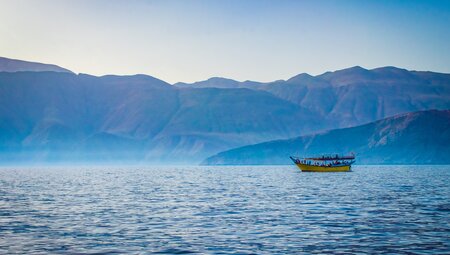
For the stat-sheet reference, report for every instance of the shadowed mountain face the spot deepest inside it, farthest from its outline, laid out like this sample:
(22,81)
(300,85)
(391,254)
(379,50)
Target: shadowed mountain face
(14,65)
(412,138)
(209,119)
(48,116)
(57,116)
(355,95)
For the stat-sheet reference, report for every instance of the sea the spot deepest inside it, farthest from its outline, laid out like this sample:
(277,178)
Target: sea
(224,210)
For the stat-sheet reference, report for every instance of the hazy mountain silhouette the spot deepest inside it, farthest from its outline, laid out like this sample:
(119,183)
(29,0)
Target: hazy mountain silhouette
(15,65)
(80,117)
(57,116)
(219,82)
(411,138)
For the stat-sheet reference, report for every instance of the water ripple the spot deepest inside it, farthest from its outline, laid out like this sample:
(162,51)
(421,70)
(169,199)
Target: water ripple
(224,210)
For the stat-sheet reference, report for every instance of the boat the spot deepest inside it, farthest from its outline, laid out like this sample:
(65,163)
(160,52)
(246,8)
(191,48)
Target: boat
(325,163)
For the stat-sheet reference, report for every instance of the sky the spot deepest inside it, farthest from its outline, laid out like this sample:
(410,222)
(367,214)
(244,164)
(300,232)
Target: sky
(244,40)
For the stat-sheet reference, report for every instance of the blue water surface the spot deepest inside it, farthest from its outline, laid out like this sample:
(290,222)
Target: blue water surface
(224,210)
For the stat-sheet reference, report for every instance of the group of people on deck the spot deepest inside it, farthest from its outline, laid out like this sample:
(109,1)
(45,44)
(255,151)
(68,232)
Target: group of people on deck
(323,163)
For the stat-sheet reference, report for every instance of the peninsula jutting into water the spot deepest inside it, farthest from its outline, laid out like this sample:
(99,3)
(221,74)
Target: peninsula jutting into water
(411,138)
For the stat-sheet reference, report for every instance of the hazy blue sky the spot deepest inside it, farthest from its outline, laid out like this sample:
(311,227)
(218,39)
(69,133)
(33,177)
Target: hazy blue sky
(255,40)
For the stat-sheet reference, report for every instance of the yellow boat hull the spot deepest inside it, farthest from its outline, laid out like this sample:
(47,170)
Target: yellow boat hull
(309,168)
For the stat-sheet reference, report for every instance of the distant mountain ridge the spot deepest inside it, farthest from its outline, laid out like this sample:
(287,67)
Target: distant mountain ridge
(15,65)
(50,116)
(355,95)
(219,82)
(412,138)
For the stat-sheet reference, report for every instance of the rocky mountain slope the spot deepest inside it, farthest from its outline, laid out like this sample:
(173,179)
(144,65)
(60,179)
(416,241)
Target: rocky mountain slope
(353,96)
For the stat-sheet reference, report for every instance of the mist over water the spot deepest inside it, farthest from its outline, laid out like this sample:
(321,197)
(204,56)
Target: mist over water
(224,210)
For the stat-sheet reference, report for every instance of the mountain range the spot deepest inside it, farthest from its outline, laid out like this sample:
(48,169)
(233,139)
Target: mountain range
(59,116)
